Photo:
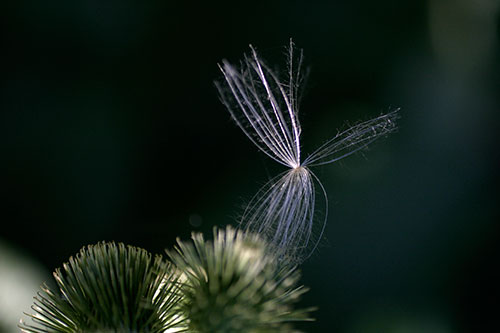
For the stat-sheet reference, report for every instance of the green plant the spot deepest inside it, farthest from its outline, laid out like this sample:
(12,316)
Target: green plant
(234,284)
(231,284)
(109,287)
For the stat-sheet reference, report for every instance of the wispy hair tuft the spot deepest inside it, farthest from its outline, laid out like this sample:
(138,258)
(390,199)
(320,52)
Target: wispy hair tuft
(266,107)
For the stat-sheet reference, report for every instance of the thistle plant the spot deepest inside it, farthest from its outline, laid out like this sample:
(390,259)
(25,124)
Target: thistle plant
(110,287)
(244,280)
(231,284)
(234,284)
(265,106)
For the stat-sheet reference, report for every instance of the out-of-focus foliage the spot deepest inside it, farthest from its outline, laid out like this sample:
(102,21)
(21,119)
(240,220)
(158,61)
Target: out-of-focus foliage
(20,278)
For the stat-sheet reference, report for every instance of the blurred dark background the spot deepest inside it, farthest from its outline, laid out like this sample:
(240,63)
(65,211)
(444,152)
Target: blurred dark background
(111,129)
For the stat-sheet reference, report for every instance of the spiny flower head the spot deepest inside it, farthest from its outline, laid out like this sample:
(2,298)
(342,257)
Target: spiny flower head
(110,287)
(233,284)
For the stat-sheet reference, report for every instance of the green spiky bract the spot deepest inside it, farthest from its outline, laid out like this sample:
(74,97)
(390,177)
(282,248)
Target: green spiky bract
(232,284)
(109,287)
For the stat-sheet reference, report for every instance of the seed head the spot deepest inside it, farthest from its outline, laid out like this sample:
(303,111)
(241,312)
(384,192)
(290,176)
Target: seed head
(265,106)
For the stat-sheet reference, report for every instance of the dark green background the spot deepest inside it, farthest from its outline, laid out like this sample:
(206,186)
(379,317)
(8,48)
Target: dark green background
(111,129)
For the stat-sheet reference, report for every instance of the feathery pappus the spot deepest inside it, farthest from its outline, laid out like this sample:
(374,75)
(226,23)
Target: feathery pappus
(265,106)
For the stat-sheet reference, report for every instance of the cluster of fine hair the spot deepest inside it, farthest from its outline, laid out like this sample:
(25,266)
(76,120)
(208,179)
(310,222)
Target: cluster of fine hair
(234,284)
(109,287)
(265,105)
